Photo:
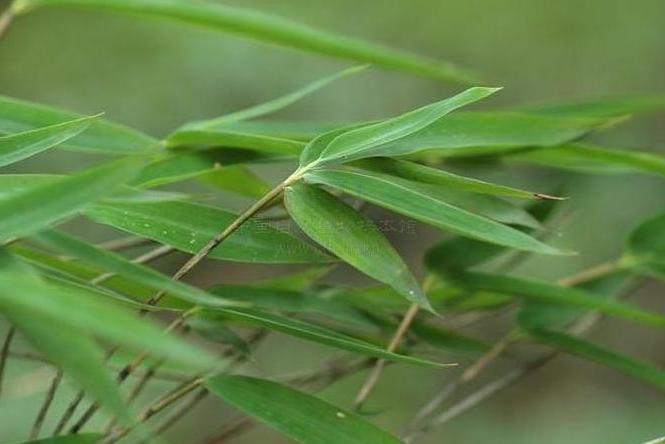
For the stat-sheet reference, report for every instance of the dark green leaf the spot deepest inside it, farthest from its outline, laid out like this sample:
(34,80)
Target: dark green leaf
(222,139)
(351,236)
(646,247)
(303,417)
(83,438)
(266,28)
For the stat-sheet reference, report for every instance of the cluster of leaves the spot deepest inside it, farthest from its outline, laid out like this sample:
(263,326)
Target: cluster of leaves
(91,294)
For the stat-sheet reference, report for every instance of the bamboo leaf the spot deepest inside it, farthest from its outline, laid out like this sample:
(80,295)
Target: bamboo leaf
(271,29)
(315,333)
(18,146)
(556,294)
(303,417)
(223,139)
(602,107)
(604,356)
(101,136)
(42,206)
(188,226)
(351,236)
(111,262)
(236,179)
(646,247)
(374,140)
(405,198)
(82,438)
(95,316)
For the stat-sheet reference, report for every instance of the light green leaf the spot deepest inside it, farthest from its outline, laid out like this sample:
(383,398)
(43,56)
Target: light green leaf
(557,294)
(188,226)
(271,106)
(11,184)
(315,333)
(303,417)
(373,140)
(267,28)
(18,146)
(645,250)
(594,159)
(70,348)
(584,349)
(420,173)
(603,107)
(111,262)
(82,438)
(237,179)
(101,136)
(223,139)
(96,316)
(50,203)
(406,198)
(351,236)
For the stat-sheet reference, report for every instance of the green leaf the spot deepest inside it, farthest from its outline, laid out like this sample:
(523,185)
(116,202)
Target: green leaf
(603,107)
(267,28)
(237,179)
(47,204)
(557,294)
(646,247)
(303,417)
(604,356)
(374,140)
(315,333)
(271,106)
(18,146)
(70,348)
(594,159)
(95,316)
(223,139)
(83,438)
(101,136)
(351,236)
(111,262)
(188,226)
(423,174)
(406,198)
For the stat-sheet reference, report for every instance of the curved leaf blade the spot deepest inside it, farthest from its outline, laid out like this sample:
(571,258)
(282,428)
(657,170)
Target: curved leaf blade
(355,239)
(303,417)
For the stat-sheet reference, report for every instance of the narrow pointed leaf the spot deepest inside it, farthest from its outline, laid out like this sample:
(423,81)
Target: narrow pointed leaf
(405,198)
(373,140)
(602,107)
(303,417)
(646,247)
(45,205)
(557,294)
(587,350)
(236,179)
(101,136)
(18,146)
(315,333)
(351,236)
(188,226)
(96,316)
(273,105)
(117,264)
(275,30)
(223,139)
(82,438)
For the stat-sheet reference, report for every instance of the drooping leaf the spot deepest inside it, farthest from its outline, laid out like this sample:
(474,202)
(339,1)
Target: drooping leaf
(18,146)
(101,136)
(188,226)
(115,263)
(70,348)
(552,293)
(351,236)
(406,198)
(81,438)
(273,105)
(374,140)
(96,316)
(303,417)
(584,349)
(594,159)
(39,207)
(315,333)
(420,173)
(602,107)
(645,250)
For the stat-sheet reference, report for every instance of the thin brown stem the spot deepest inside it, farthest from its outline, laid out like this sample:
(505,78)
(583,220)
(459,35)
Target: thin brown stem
(4,353)
(41,415)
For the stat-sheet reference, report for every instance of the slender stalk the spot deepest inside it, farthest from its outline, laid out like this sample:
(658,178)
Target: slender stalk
(43,411)
(6,19)
(4,353)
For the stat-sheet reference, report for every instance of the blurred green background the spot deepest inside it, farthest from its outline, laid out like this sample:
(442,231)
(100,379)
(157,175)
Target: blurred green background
(156,75)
